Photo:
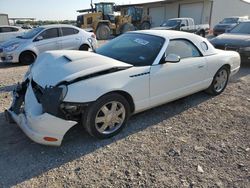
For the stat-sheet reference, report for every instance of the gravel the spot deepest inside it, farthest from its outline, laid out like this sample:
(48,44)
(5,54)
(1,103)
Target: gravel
(197,141)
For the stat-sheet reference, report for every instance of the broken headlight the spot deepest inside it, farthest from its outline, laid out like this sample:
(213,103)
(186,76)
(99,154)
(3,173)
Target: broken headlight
(64,91)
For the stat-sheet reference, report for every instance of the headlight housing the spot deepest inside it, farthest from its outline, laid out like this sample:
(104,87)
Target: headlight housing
(64,91)
(12,47)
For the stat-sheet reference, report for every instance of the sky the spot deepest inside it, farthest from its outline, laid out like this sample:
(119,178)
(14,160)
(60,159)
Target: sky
(51,9)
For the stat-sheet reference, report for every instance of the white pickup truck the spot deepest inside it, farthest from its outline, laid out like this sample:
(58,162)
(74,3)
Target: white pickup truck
(7,32)
(184,24)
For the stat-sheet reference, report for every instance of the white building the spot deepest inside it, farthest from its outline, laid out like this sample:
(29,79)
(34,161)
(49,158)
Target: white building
(202,11)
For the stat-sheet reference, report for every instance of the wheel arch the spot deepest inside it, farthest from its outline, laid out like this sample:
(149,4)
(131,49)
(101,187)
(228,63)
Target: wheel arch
(29,51)
(126,95)
(84,44)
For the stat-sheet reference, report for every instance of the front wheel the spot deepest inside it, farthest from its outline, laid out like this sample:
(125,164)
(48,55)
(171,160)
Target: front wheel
(103,32)
(219,82)
(107,116)
(27,58)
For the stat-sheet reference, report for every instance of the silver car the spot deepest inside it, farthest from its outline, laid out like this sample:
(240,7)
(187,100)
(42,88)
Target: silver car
(7,32)
(25,48)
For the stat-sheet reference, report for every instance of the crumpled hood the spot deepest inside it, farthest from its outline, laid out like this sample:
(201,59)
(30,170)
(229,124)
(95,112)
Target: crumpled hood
(232,39)
(54,67)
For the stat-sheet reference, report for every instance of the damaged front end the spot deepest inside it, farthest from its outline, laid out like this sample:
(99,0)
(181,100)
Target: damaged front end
(41,113)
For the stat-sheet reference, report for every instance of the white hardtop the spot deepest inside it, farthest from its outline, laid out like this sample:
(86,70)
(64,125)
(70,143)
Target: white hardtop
(171,34)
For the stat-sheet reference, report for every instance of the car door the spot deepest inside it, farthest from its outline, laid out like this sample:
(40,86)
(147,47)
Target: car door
(170,81)
(70,39)
(47,40)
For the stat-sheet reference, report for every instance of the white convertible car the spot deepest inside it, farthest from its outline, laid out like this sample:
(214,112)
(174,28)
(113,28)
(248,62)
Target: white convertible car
(132,73)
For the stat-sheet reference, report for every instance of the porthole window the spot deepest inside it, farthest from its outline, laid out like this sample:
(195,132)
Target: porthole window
(204,46)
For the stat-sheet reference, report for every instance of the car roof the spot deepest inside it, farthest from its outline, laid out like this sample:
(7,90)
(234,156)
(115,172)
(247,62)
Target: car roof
(180,18)
(168,34)
(171,34)
(57,25)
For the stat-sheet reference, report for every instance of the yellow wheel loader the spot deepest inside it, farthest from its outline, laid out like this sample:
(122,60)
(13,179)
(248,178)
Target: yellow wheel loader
(103,22)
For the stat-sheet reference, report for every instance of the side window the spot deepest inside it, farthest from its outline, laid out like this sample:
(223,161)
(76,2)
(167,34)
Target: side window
(184,22)
(13,29)
(6,29)
(182,48)
(50,33)
(69,31)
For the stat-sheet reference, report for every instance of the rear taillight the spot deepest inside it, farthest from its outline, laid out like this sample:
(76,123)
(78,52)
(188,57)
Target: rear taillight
(93,36)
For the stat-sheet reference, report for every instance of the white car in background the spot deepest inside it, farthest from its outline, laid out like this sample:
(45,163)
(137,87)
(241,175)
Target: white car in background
(7,32)
(25,48)
(132,73)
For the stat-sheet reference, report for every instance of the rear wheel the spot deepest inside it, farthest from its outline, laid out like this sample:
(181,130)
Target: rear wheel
(103,32)
(107,116)
(127,27)
(219,82)
(27,57)
(84,47)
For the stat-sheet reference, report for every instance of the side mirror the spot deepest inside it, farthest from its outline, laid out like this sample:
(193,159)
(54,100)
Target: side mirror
(172,58)
(39,38)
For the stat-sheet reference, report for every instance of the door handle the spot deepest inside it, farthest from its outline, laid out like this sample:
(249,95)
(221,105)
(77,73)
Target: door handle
(77,38)
(201,66)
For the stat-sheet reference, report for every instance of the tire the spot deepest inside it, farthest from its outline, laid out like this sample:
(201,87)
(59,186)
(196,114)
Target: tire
(202,33)
(145,25)
(101,111)
(127,27)
(27,58)
(219,82)
(84,47)
(103,32)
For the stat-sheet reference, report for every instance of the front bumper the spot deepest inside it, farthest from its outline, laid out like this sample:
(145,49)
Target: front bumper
(9,57)
(40,127)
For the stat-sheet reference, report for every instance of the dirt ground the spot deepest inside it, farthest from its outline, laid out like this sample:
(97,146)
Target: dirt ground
(197,141)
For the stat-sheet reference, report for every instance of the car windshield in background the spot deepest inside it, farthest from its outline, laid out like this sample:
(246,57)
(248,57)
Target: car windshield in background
(243,28)
(229,20)
(132,48)
(171,23)
(30,34)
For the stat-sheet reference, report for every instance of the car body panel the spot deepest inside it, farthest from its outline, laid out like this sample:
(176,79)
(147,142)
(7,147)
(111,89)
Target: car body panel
(148,86)
(9,35)
(37,125)
(239,42)
(69,42)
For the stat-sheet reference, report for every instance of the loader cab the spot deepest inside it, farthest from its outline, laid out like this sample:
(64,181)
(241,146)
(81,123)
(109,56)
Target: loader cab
(107,10)
(135,13)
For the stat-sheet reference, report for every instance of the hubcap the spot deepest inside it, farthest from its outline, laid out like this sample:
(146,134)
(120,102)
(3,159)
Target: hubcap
(110,117)
(220,80)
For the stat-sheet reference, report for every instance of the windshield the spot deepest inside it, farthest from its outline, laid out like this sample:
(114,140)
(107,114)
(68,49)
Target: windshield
(105,8)
(33,32)
(243,28)
(133,48)
(229,20)
(171,23)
